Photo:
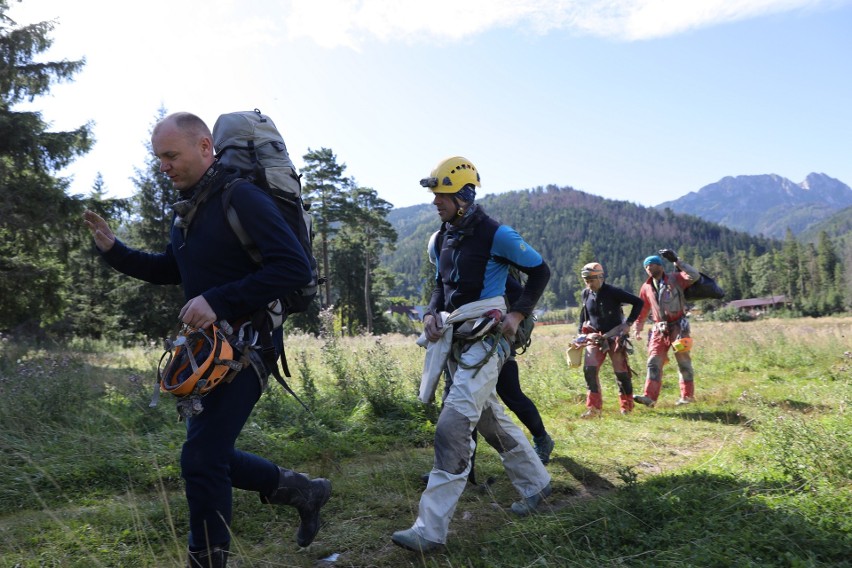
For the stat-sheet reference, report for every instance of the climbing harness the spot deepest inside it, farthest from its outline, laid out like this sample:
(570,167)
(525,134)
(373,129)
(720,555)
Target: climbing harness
(487,329)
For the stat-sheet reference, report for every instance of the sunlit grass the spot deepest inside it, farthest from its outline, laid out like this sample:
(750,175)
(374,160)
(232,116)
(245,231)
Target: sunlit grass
(757,472)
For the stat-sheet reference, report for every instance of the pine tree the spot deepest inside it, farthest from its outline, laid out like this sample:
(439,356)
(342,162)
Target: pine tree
(37,212)
(324,187)
(94,311)
(791,273)
(365,234)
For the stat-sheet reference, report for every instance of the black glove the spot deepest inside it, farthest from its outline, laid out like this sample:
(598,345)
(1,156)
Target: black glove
(668,254)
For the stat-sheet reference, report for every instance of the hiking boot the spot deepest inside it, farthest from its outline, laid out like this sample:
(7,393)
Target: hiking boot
(306,495)
(591,413)
(543,446)
(646,400)
(529,504)
(215,557)
(410,540)
(685,400)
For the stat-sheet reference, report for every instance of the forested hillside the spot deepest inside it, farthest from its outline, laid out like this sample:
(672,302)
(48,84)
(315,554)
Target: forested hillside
(561,222)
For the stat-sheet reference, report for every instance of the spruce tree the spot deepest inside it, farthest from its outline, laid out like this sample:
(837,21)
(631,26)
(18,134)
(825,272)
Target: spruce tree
(39,218)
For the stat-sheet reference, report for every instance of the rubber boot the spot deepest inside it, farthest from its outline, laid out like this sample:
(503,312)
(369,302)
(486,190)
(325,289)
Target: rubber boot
(594,400)
(652,389)
(306,495)
(625,391)
(216,557)
(687,393)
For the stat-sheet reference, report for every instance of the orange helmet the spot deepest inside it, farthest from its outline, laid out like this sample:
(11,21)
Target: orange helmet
(592,269)
(196,361)
(682,344)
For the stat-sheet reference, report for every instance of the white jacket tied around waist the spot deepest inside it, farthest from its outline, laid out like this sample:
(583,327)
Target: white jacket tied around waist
(437,352)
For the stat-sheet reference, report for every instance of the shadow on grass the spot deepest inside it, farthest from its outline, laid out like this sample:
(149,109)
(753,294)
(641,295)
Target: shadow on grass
(798,406)
(590,479)
(728,417)
(695,519)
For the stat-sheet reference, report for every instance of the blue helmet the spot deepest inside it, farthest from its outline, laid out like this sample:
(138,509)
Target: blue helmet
(653,259)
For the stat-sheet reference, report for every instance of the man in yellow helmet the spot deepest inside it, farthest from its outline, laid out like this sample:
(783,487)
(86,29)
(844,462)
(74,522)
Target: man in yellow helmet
(602,320)
(467,329)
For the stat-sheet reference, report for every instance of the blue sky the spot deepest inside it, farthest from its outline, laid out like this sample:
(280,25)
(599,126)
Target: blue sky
(638,100)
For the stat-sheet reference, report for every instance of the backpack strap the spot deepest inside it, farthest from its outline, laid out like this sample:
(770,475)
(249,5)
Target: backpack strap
(260,319)
(236,225)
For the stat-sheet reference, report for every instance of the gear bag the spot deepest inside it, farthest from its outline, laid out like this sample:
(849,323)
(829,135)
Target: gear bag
(704,289)
(250,142)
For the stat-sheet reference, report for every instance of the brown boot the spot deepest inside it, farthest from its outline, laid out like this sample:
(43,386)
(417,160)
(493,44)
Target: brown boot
(306,495)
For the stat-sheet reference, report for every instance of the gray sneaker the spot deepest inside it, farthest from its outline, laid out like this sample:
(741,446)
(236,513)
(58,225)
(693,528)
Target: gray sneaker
(529,504)
(543,446)
(685,400)
(410,540)
(646,400)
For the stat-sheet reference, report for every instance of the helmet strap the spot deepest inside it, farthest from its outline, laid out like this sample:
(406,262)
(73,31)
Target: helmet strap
(460,210)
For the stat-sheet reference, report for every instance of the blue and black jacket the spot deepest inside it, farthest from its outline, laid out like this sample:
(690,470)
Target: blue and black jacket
(473,261)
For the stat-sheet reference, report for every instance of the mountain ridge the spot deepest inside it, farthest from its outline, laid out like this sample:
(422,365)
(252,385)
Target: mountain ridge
(766,204)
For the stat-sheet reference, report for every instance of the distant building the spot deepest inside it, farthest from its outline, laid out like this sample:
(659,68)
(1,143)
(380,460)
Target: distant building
(758,306)
(413,313)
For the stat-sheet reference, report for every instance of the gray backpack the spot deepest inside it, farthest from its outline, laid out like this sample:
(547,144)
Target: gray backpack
(250,142)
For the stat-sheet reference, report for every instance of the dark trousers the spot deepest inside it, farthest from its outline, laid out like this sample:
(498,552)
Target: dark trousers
(509,391)
(211,465)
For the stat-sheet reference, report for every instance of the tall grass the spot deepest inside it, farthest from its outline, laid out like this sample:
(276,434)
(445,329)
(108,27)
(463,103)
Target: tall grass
(757,473)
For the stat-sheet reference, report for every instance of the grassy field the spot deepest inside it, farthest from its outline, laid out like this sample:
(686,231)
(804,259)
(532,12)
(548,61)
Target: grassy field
(756,473)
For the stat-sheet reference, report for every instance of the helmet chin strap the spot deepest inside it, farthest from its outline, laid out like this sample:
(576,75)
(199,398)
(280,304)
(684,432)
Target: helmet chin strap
(459,206)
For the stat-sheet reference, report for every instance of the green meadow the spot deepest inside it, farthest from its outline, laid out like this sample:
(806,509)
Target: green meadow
(755,473)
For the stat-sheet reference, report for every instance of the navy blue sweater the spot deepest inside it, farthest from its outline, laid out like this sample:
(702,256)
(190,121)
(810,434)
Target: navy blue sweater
(210,260)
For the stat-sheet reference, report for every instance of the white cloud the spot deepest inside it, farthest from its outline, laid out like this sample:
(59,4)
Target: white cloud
(351,23)
(347,23)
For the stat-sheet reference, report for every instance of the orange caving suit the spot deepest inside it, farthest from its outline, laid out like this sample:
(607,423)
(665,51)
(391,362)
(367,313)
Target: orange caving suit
(665,302)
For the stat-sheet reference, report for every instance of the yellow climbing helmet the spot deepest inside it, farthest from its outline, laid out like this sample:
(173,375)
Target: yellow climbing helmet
(451,175)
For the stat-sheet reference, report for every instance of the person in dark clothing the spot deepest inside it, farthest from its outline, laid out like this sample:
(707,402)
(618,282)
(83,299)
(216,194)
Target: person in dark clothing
(510,392)
(220,283)
(602,321)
